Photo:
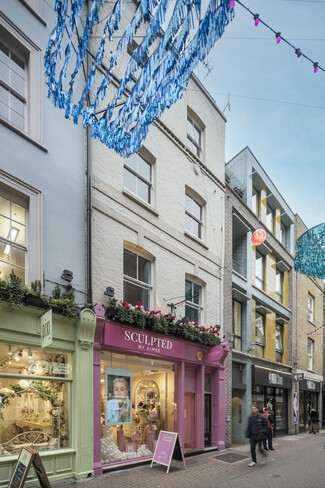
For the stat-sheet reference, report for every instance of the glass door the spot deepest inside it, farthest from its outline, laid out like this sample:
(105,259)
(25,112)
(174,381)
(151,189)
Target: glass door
(207,419)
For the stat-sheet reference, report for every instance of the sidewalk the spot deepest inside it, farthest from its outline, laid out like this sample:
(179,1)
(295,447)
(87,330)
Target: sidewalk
(211,468)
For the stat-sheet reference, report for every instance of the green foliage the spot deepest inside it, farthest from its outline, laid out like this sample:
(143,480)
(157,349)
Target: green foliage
(14,293)
(166,324)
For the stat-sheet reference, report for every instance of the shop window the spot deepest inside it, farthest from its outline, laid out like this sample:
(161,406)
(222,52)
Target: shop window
(137,279)
(255,197)
(259,271)
(138,177)
(20,81)
(20,211)
(237,325)
(279,343)
(279,286)
(207,382)
(285,236)
(310,304)
(144,387)
(310,354)
(34,413)
(193,304)
(194,136)
(193,216)
(259,335)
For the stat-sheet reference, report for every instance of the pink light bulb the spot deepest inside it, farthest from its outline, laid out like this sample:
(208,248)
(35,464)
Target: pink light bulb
(231,4)
(278,39)
(315,67)
(257,21)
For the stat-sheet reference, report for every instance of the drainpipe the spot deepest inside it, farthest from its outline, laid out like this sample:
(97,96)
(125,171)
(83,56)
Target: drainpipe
(89,221)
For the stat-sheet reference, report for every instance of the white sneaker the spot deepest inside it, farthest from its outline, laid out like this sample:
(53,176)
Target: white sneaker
(251,464)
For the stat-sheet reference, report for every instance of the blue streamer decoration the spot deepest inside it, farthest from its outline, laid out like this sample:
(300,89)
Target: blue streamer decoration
(150,83)
(310,252)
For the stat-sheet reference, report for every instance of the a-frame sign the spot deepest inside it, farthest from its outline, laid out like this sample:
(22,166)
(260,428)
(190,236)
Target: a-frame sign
(28,457)
(168,447)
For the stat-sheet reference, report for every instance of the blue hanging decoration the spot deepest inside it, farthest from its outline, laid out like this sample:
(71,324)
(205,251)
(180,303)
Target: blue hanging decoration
(149,83)
(310,249)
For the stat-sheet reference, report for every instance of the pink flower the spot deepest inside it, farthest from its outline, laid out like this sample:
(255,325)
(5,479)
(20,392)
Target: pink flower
(139,303)
(224,336)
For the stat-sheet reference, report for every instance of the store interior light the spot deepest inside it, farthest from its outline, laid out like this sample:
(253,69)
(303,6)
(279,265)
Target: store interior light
(16,358)
(12,236)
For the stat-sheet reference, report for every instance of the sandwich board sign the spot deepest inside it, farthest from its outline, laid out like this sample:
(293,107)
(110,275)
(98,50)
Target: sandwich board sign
(28,457)
(168,447)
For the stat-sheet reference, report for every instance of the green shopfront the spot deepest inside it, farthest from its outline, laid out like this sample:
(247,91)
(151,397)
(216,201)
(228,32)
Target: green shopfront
(46,393)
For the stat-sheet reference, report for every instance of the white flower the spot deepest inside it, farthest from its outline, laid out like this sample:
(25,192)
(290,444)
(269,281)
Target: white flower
(23,384)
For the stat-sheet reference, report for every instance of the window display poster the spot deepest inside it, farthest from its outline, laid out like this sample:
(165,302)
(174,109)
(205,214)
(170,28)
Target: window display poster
(295,408)
(118,388)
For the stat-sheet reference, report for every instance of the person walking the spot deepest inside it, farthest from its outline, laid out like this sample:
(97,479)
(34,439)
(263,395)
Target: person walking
(268,446)
(313,422)
(257,432)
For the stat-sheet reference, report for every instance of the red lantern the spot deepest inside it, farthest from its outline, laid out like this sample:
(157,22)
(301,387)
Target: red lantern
(258,237)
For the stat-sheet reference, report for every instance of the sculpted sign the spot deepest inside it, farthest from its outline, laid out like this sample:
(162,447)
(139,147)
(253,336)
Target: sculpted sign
(138,340)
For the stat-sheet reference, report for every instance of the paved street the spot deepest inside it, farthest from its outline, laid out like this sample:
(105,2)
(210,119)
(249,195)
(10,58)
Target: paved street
(299,462)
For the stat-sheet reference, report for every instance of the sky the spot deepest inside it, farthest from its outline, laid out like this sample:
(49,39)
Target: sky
(277,102)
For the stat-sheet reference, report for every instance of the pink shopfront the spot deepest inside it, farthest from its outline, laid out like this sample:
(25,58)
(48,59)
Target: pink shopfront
(144,383)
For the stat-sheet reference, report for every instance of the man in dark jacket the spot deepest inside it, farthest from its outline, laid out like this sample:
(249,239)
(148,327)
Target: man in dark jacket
(257,432)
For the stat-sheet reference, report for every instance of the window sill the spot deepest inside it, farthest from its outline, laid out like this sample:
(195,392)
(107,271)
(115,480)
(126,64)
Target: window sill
(311,371)
(22,133)
(140,202)
(196,239)
(312,323)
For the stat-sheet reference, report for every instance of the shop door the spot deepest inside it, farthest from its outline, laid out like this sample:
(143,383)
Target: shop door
(207,419)
(189,420)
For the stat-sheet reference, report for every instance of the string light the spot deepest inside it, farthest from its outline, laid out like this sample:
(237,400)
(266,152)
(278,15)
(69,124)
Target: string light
(279,37)
(231,4)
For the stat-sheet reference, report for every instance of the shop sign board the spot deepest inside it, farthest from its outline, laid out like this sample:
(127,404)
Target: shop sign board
(46,328)
(26,458)
(141,341)
(295,405)
(215,354)
(275,379)
(311,385)
(168,447)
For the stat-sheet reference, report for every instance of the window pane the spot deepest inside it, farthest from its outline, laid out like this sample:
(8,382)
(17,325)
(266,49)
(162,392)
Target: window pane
(130,181)
(17,106)
(196,294)
(191,313)
(17,257)
(259,330)
(144,168)
(237,318)
(18,213)
(17,119)
(134,293)
(143,190)
(144,270)
(18,83)
(259,351)
(4,270)
(188,289)
(130,264)
(132,162)
(4,207)
(20,272)
(237,343)
(18,64)
(197,210)
(4,253)
(192,147)
(4,227)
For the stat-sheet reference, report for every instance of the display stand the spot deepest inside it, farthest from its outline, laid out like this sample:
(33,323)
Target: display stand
(26,458)
(168,447)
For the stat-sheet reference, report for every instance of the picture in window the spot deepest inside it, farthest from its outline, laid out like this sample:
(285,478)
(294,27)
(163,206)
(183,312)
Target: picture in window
(118,386)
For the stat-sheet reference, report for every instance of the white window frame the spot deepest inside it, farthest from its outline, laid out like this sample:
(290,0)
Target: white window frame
(190,303)
(310,354)
(259,281)
(27,49)
(279,343)
(259,344)
(140,177)
(136,281)
(192,120)
(192,217)
(310,307)
(33,202)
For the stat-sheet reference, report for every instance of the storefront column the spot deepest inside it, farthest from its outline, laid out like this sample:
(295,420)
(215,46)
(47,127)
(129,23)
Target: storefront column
(218,413)
(199,408)
(82,395)
(179,398)
(97,390)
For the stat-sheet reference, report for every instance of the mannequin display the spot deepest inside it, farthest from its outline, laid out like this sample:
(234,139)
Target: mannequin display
(121,439)
(136,437)
(150,437)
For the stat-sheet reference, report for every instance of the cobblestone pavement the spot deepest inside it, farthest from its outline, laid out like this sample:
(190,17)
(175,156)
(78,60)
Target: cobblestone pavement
(297,462)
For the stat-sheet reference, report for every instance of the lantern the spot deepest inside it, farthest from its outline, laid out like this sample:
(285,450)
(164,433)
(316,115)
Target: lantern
(258,237)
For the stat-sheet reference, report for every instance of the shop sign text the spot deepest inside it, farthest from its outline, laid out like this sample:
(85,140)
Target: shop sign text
(275,379)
